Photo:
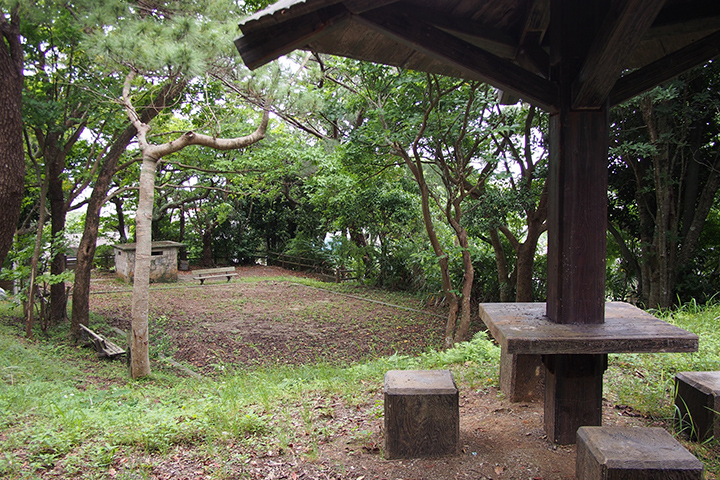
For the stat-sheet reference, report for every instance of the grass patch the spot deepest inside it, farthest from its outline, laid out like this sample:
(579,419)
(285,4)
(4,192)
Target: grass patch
(68,412)
(65,411)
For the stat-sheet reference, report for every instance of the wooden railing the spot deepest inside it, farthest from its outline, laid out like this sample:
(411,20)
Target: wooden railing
(319,267)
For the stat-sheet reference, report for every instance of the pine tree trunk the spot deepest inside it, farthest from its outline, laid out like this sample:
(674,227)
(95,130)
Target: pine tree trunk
(139,338)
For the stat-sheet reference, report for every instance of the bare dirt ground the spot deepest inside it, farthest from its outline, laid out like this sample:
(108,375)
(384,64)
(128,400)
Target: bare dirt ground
(273,320)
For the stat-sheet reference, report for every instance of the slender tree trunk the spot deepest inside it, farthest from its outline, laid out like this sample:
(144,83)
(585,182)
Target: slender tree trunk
(12,155)
(183,250)
(86,250)
(443,261)
(34,262)
(502,267)
(139,339)
(463,326)
(118,202)
(58,295)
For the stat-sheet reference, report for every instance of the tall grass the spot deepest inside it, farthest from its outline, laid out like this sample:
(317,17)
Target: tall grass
(646,381)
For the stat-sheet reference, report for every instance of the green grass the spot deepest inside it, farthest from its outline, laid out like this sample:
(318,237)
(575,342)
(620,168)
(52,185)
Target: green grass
(63,410)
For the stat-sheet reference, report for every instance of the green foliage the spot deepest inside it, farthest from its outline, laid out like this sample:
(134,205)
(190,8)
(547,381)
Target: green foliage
(646,381)
(663,160)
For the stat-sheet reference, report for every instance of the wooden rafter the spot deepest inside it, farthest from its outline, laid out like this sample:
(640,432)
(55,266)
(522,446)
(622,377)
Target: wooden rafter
(665,69)
(403,27)
(271,42)
(485,36)
(536,22)
(616,40)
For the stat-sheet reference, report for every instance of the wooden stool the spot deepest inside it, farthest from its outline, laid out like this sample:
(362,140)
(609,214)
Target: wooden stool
(697,404)
(422,416)
(614,453)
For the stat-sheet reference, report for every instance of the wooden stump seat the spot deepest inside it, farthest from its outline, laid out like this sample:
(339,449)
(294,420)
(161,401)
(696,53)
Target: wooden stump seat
(422,415)
(633,453)
(697,404)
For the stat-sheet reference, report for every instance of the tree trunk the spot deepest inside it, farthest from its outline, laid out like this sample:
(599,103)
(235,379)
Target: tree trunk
(32,289)
(463,326)
(118,202)
(55,158)
(139,339)
(12,155)
(207,253)
(182,255)
(450,296)
(86,249)
(502,267)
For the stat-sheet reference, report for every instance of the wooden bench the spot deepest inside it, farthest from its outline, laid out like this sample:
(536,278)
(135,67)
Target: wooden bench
(203,275)
(103,346)
(631,453)
(697,404)
(422,416)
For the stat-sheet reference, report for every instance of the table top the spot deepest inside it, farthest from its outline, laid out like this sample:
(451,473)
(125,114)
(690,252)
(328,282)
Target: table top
(523,328)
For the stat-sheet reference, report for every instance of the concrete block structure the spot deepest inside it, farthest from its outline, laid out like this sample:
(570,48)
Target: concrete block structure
(163,265)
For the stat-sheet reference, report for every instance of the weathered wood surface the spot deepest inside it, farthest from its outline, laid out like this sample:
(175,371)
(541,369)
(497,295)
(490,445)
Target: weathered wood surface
(220,272)
(422,416)
(524,328)
(103,346)
(573,394)
(522,377)
(577,215)
(607,453)
(697,404)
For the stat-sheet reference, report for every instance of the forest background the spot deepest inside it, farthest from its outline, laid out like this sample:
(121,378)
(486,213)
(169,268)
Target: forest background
(413,181)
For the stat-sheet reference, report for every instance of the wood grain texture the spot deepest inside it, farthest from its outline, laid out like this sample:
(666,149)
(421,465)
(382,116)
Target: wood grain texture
(577,216)
(422,416)
(633,453)
(573,394)
(697,404)
(524,328)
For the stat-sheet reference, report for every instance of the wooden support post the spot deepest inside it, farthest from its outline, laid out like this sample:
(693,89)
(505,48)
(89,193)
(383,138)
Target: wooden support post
(521,377)
(577,216)
(577,224)
(573,394)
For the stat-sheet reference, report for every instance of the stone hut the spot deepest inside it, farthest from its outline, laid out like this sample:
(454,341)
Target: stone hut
(163,264)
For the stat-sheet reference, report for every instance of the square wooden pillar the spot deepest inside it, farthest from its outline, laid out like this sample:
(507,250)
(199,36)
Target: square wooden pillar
(573,394)
(577,217)
(522,377)
(422,415)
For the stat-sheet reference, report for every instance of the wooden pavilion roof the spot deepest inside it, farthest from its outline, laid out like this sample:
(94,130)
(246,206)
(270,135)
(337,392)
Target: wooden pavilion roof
(507,43)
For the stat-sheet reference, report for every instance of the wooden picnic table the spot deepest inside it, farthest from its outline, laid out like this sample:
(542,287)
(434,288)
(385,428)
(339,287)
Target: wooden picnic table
(575,355)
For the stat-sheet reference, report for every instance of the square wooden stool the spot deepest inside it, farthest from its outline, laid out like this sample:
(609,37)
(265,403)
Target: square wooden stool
(422,416)
(615,453)
(697,404)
